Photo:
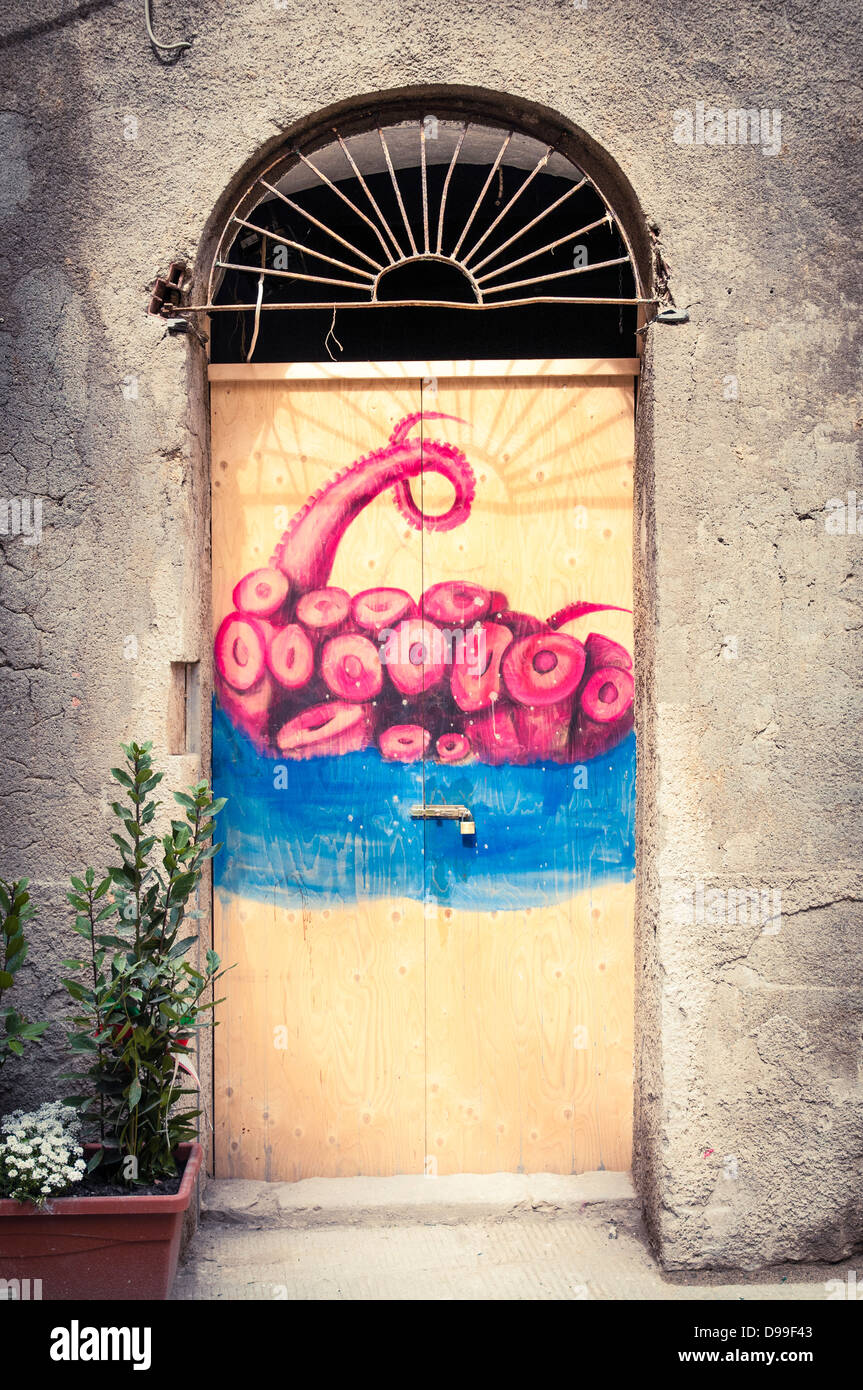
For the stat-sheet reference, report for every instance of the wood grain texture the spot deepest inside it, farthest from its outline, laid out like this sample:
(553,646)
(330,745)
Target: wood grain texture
(320,1052)
(416,1034)
(530,1013)
(345,1095)
(530,1036)
(552,518)
(272,446)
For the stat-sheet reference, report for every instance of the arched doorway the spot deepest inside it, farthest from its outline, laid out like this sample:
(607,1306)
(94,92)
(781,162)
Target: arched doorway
(441,306)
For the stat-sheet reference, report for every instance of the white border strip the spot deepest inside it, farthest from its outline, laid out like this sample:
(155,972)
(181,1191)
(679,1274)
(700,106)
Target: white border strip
(388,371)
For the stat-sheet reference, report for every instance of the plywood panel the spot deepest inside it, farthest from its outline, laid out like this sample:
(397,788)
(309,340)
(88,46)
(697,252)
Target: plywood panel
(530,1036)
(272,447)
(530,1011)
(387,1021)
(552,518)
(320,1049)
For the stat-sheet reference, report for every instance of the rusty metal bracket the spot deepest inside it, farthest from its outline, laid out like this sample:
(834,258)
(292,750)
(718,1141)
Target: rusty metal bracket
(168,290)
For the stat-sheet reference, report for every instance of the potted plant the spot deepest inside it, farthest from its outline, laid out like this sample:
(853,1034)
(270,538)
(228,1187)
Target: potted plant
(138,1004)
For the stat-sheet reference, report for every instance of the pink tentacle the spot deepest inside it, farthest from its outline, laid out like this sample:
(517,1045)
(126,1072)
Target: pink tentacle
(451,462)
(434,460)
(580,609)
(404,427)
(307,550)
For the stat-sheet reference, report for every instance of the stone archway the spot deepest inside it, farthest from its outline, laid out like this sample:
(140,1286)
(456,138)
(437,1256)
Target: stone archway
(362,122)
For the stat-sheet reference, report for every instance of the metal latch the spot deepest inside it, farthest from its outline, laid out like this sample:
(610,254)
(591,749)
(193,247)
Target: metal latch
(168,290)
(462,814)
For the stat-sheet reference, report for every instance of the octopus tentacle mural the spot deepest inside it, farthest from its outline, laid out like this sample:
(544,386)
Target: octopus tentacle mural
(307,670)
(308,548)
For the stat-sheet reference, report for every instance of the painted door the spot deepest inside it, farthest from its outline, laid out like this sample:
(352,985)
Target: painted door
(406,998)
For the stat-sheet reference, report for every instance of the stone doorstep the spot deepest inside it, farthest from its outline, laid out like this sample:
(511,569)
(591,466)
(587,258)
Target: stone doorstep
(417,1200)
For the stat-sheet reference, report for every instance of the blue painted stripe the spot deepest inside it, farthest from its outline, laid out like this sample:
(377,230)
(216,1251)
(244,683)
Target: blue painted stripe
(340,832)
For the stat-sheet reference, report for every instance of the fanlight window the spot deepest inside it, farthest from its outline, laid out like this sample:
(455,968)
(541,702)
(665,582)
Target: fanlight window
(494,217)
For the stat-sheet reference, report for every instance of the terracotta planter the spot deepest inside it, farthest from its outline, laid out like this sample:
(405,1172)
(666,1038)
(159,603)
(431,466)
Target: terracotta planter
(99,1247)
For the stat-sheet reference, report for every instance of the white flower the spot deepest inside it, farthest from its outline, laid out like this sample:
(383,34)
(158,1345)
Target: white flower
(39,1153)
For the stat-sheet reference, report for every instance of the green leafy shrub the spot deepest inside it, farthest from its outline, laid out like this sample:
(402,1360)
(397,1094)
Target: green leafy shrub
(16,910)
(139,1002)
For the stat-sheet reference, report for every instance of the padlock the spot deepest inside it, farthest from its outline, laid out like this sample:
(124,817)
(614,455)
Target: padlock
(467,827)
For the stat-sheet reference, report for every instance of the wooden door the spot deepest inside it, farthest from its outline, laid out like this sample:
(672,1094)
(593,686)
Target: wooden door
(406,999)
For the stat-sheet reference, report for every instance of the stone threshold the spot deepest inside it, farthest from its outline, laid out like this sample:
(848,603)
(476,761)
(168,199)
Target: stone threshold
(410,1200)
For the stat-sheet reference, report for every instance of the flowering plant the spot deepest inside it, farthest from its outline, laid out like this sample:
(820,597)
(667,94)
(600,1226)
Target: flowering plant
(40,1156)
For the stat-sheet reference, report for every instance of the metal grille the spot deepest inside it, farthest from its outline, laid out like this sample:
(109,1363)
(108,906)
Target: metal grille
(486,217)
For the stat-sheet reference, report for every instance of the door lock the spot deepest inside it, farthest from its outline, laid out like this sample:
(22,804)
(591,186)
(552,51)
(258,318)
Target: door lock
(462,814)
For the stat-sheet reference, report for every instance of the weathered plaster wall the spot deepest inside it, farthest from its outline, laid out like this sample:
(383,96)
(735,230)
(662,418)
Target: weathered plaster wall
(749,1109)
